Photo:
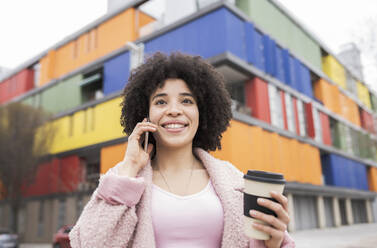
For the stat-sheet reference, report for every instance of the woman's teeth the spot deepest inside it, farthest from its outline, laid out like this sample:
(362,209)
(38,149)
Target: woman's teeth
(172,126)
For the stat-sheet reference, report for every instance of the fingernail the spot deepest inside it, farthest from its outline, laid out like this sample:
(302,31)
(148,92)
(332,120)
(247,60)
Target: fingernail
(274,192)
(253,212)
(261,200)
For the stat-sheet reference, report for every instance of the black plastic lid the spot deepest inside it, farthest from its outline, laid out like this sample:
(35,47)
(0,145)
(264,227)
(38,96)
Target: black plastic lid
(265,177)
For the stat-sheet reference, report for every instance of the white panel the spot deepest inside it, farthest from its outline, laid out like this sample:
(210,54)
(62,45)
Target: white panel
(317,125)
(301,117)
(272,96)
(290,113)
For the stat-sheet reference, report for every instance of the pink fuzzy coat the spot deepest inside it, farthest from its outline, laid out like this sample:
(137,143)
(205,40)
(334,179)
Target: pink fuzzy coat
(119,211)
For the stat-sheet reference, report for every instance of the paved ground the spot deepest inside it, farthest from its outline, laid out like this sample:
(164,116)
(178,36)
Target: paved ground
(355,236)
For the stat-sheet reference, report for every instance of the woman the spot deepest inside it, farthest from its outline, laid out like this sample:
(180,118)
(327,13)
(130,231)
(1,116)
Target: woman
(174,194)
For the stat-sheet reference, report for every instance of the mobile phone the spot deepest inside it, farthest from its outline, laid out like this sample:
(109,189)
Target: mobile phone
(146,138)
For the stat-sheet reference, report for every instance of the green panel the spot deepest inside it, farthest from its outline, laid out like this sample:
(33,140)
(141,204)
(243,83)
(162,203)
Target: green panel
(62,96)
(371,148)
(363,142)
(50,98)
(355,143)
(276,24)
(374,102)
(28,100)
(339,136)
(70,93)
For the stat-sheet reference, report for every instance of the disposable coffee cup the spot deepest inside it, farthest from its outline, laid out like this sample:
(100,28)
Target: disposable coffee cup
(259,184)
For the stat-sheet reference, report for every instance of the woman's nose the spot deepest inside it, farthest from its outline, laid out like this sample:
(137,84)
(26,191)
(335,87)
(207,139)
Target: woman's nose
(174,109)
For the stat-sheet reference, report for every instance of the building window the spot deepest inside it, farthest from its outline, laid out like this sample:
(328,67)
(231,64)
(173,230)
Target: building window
(276,111)
(92,86)
(92,174)
(301,117)
(290,113)
(61,212)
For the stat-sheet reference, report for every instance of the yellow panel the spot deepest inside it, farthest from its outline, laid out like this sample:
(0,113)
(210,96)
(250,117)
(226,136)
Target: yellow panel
(106,127)
(111,155)
(334,70)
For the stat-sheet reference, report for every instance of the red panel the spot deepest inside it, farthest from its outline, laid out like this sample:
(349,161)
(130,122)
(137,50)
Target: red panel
(257,99)
(25,81)
(366,120)
(326,132)
(5,95)
(295,110)
(3,89)
(282,96)
(71,173)
(309,119)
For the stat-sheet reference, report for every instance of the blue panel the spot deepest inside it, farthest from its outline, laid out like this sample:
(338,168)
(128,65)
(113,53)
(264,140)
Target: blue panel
(116,73)
(286,66)
(292,73)
(269,55)
(210,35)
(362,177)
(343,172)
(254,46)
(297,73)
(305,84)
(279,61)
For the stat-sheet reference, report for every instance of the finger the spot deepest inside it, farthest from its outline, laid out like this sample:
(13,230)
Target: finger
(270,219)
(281,199)
(277,234)
(276,207)
(150,149)
(140,130)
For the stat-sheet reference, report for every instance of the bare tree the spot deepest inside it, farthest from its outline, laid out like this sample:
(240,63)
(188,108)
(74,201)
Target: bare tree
(25,138)
(365,37)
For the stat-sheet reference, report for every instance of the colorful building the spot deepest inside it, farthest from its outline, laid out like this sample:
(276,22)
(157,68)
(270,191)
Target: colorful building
(297,110)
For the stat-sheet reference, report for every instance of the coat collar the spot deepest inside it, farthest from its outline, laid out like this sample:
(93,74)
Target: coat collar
(226,189)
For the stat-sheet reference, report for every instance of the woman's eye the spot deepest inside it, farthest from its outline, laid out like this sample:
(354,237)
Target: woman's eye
(159,102)
(187,100)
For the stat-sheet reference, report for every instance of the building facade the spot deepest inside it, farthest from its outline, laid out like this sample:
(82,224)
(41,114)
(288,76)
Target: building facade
(297,110)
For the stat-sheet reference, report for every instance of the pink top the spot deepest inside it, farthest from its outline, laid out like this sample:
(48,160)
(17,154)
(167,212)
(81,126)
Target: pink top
(187,221)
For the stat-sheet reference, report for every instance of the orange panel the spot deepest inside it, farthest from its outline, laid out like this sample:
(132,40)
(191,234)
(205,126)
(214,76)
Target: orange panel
(275,153)
(65,60)
(295,159)
(237,146)
(285,161)
(111,155)
(372,178)
(335,99)
(257,150)
(116,32)
(47,68)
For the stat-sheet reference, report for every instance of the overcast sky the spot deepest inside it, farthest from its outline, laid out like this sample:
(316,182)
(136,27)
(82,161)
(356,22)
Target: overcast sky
(28,27)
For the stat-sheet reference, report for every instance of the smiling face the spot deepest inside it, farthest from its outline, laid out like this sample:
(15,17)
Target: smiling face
(174,110)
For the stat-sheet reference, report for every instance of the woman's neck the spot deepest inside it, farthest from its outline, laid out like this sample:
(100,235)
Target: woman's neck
(175,160)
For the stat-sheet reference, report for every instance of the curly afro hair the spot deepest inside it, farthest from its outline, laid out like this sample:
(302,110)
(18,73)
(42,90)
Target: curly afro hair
(206,84)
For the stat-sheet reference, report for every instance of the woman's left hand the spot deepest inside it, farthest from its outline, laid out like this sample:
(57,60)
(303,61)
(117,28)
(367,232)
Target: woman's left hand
(278,225)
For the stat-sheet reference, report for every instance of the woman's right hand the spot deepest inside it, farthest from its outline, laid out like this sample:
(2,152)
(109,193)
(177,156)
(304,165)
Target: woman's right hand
(135,157)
